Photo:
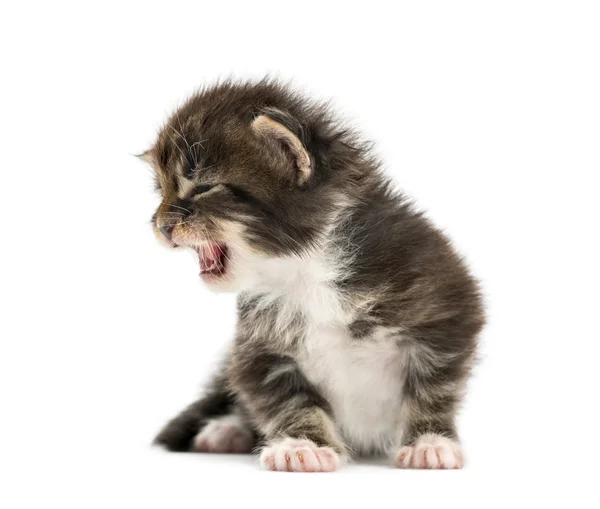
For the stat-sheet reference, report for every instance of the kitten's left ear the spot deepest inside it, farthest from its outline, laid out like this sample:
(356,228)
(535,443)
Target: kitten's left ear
(147,156)
(277,129)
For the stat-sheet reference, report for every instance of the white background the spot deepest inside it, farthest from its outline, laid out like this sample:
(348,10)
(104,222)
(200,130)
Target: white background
(487,113)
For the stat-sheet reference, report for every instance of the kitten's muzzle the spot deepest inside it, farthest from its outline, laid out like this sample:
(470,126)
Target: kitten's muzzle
(167,231)
(169,215)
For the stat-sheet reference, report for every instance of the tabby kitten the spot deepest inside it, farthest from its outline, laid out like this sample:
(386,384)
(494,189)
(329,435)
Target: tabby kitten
(357,320)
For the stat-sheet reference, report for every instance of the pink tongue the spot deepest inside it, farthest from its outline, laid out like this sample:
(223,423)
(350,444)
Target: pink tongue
(210,256)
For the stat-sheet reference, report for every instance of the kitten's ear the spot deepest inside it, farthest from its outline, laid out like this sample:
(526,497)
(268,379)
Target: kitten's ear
(281,133)
(147,157)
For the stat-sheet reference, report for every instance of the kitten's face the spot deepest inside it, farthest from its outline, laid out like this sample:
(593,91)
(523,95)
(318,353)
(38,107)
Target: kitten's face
(236,191)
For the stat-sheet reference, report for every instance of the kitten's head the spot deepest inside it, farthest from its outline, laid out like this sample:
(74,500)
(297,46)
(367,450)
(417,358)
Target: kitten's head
(247,172)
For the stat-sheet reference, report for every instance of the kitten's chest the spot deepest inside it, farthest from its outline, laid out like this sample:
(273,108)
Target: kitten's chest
(362,381)
(360,378)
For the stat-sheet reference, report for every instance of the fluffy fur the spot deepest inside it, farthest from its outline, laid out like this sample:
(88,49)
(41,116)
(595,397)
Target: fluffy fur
(358,321)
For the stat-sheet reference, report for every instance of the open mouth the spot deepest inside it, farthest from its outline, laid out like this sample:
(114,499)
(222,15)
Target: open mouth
(213,259)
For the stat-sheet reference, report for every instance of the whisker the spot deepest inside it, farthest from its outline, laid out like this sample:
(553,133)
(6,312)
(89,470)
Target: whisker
(198,143)
(180,133)
(194,150)
(175,143)
(169,224)
(178,207)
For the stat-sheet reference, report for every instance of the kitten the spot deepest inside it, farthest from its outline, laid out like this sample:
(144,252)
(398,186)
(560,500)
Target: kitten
(357,320)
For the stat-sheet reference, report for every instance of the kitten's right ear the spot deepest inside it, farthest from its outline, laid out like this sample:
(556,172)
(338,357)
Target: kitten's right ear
(277,128)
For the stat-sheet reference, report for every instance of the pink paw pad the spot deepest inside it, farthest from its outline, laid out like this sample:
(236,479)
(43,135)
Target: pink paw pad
(431,452)
(294,455)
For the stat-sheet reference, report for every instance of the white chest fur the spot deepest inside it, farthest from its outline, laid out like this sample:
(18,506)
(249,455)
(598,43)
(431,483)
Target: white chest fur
(361,379)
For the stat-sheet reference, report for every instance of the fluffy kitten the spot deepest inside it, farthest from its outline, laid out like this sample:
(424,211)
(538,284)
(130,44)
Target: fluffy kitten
(358,321)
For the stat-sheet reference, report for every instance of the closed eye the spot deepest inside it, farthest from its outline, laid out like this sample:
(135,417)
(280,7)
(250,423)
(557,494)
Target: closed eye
(241,195)
(202,188)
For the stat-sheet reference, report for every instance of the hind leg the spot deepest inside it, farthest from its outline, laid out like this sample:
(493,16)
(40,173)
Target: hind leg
(225,434)
(214,423)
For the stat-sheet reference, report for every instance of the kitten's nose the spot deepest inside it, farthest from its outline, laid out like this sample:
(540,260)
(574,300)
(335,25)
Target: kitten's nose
(167,231)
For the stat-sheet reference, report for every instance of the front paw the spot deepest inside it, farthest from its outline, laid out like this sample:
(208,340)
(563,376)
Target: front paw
(294,455)
(431,451)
